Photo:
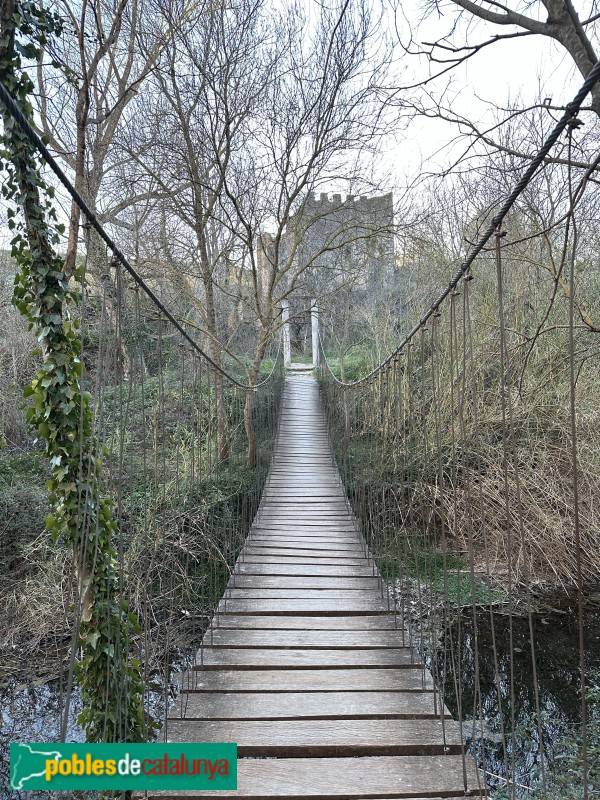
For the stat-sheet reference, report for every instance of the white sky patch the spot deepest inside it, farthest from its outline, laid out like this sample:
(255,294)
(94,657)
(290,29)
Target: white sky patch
(522,71)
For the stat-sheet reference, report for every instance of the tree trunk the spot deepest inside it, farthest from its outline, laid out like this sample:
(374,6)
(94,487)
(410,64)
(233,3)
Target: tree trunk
(222,439)
(211,325)
(81,117)
(117,313)
(252,457)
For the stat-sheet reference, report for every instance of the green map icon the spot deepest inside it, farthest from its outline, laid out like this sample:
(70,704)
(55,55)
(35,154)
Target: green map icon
(28,762)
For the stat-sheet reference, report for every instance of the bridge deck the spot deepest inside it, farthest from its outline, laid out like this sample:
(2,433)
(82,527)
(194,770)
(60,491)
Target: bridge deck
(305,666)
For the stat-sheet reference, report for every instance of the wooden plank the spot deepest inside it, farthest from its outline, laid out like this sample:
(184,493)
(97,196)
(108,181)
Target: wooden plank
(342,608)
(344,531)
(393,777)
(323,738)
(306,532)
(290,528)
(280,501)
(315,447)
(306,553)
(308,514)
(303,547)
(314,640)
(302,538)
(331,569)
(318,479)
(291,494)
(325,558)
(303,481)
(298,582)
(282,682)
(288,482)
(310,595)
(283,463)
(307,519)
(322,453)
(305,526)
(309,529)
(336,506)
(301,534)
(283,501)
(312,623)
(293,706)
(280,498)
(334,500)
(306,539)
(306,522)
(229,658)
(316,561)
(313,516)
(321,545)
(286,494)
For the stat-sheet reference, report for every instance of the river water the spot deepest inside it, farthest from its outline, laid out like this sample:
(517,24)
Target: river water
(33,714)
(499,707)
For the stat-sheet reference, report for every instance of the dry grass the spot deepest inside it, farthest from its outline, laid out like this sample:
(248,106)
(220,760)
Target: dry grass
(527,525)
(485,459)
(37,623)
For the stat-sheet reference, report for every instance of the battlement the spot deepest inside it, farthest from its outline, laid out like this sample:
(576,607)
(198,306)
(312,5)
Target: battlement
(325,202)
(348,233)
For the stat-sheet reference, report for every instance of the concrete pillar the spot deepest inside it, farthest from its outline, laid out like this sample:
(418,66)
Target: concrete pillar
(287,347)
(314,327)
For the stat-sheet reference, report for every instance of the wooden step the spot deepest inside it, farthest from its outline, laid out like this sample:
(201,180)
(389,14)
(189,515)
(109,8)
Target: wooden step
(308,680)
(392,777)
(324,738)
(201,705)
(233,658)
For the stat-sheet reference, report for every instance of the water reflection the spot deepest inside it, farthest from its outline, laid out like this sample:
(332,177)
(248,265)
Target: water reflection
(497,701)
(33,714)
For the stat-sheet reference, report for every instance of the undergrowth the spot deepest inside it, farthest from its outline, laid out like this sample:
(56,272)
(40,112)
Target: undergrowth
(180,527)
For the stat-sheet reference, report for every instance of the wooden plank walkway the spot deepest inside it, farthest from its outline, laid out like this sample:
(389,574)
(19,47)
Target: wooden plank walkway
(305,665)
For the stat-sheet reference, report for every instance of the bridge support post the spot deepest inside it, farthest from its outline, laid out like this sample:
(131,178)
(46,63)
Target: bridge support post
(287,348)
(314,327)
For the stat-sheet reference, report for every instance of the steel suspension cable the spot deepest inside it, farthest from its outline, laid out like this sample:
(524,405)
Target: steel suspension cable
(572,109)
(21,120)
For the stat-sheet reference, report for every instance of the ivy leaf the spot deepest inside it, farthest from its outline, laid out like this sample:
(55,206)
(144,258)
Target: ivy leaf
(92,639)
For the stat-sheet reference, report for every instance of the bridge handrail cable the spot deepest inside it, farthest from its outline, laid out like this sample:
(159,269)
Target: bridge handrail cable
(21,120)
(572,109)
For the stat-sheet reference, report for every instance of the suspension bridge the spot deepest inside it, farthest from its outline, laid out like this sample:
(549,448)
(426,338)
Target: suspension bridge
(306,663)
(328,581)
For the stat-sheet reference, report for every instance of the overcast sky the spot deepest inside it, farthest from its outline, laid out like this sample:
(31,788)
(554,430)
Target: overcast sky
(520,71)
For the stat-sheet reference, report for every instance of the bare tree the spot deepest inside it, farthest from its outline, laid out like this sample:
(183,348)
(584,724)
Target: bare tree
(322,114)
(208,84)
(83,107)
(252,108)
(474,26)
(563,25)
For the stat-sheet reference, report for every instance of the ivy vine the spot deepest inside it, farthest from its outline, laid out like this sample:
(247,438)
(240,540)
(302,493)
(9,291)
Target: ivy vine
(60,411)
